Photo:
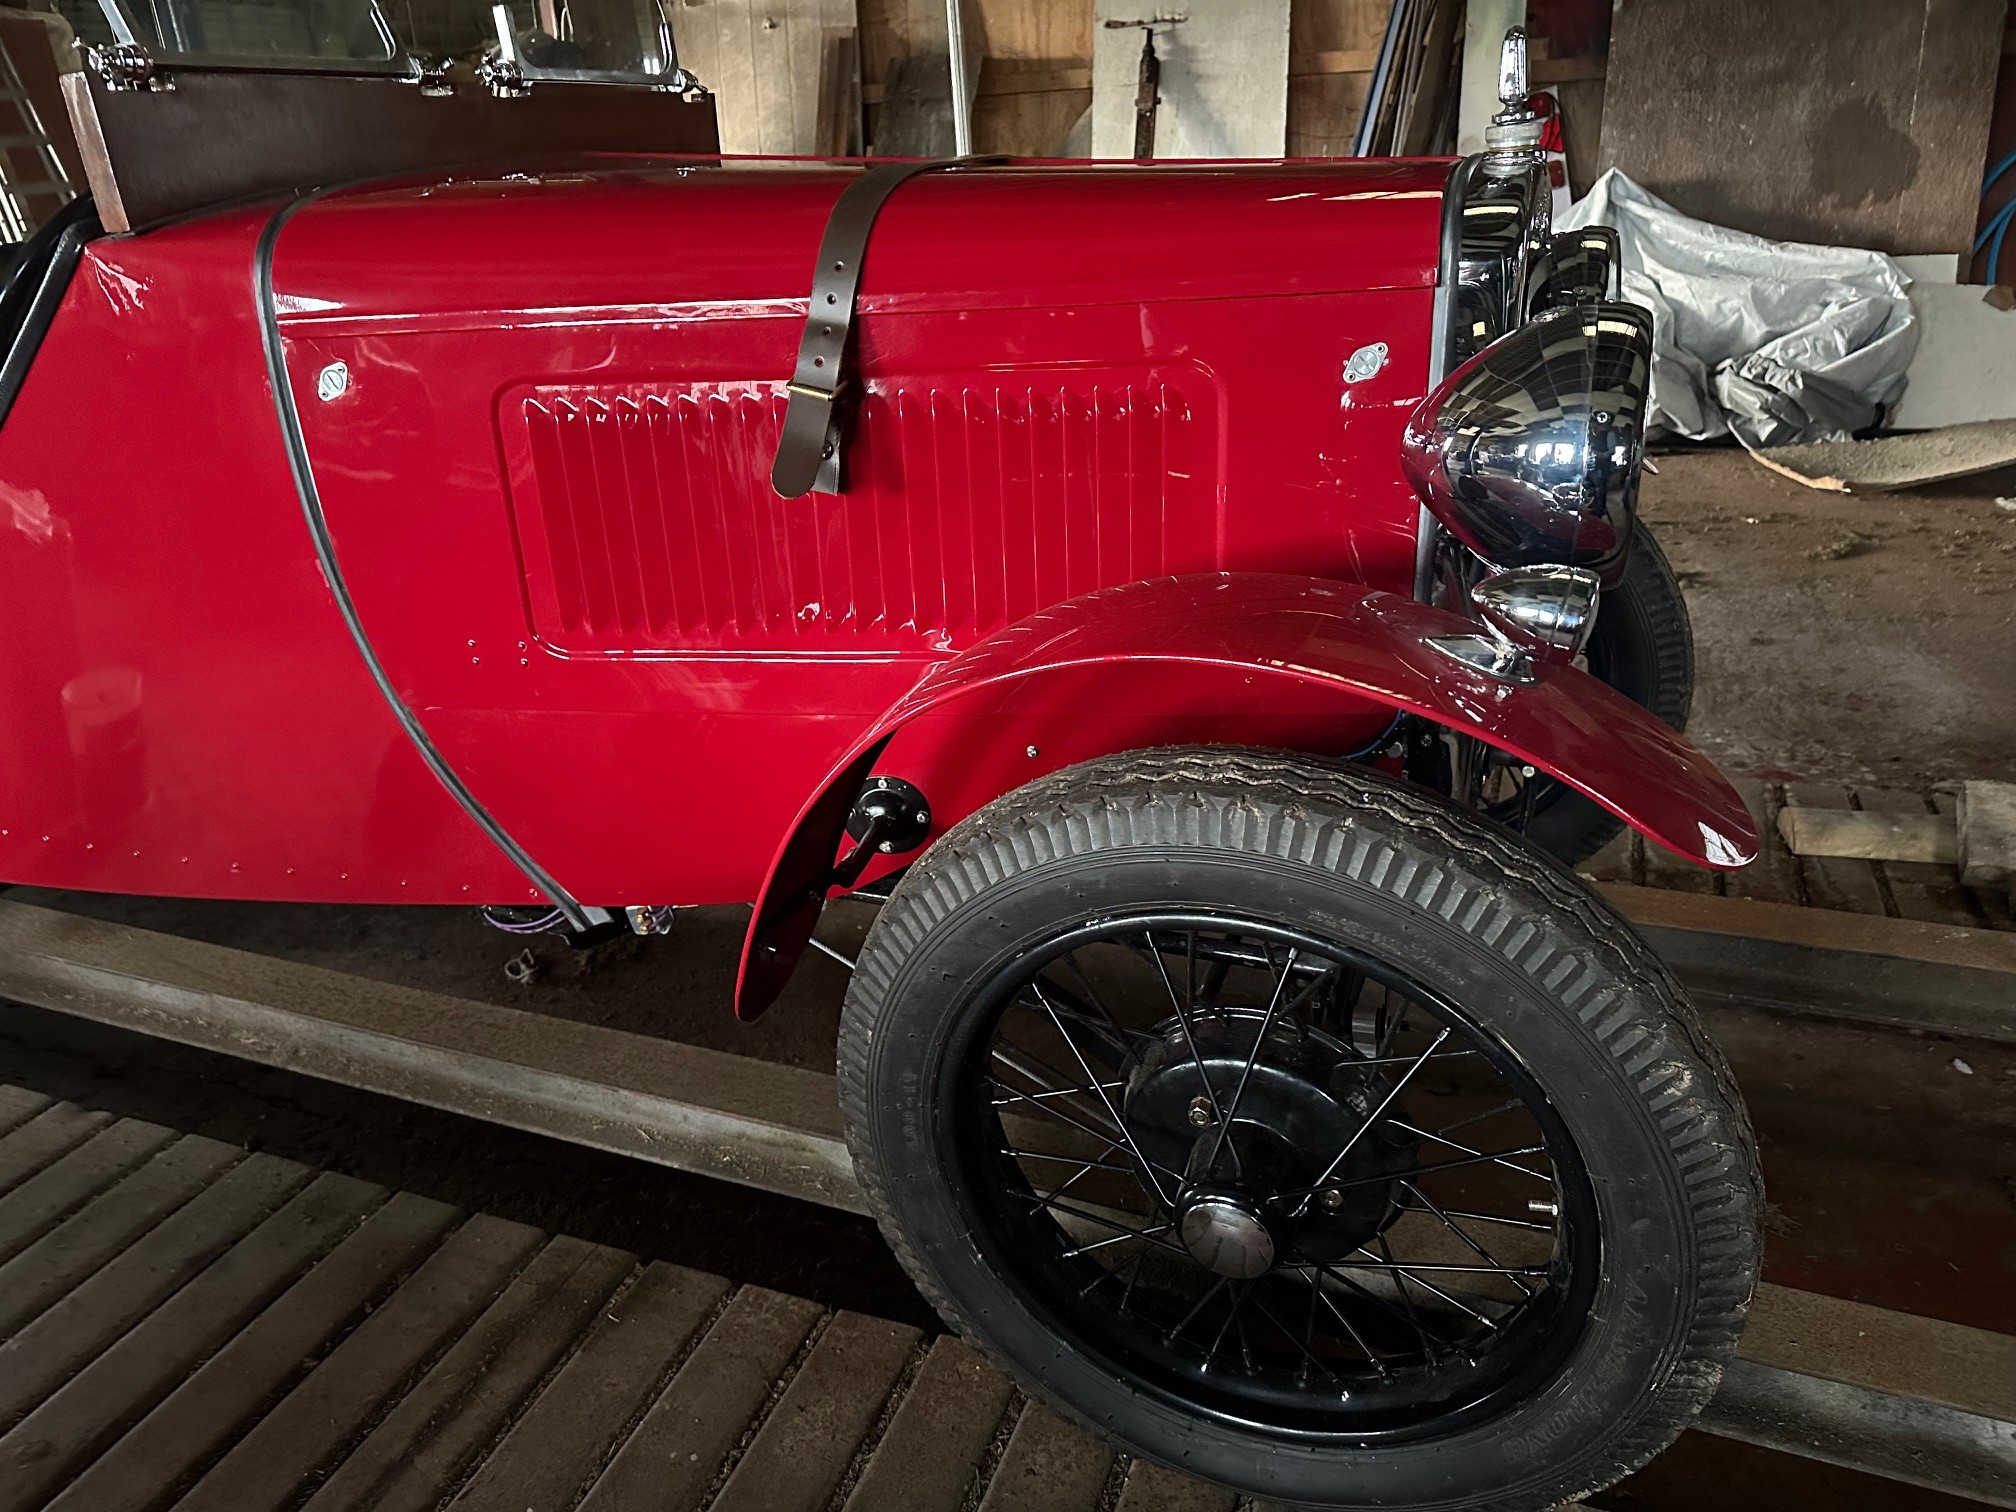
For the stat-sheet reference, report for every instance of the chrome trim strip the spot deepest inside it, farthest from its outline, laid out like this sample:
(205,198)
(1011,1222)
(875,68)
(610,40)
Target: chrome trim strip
(325,555)
(1454,194)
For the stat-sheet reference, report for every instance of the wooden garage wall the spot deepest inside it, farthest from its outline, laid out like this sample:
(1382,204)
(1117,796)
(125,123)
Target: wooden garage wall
(1862,122)
(1036,80)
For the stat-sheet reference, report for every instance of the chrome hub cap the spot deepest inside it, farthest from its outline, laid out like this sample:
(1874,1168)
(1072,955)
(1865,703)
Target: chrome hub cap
(1225,1233)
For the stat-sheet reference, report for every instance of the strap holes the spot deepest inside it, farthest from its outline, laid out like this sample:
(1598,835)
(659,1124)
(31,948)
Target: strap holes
(839,267)
(832,299)
(818,362)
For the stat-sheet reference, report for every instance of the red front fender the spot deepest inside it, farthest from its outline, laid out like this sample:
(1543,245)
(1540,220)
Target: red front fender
(1316,642)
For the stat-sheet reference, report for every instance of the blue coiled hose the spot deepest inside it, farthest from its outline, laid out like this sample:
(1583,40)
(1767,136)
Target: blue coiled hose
(1998,224)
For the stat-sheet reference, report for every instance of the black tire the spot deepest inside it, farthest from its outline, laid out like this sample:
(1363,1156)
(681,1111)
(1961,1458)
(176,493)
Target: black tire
(1643,646)
(1532,955)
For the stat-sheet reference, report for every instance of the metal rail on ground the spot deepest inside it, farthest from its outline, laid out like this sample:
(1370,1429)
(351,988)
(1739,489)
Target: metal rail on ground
(1913,1399)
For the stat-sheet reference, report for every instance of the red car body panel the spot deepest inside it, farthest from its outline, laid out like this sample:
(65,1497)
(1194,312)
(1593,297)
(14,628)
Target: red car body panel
(181,710)
(544,479)
(1269,659)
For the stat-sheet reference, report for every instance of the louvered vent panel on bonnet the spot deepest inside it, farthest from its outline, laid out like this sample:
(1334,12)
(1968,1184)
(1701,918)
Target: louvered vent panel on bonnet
(646,519)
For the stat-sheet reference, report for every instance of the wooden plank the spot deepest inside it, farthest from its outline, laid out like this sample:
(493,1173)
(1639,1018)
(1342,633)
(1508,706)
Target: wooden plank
(1928,891)
(1986,824)
(1150,1488)
(1028,124)
(44,1139)
(17,1106)
(935,1442)
(122,1382)
(1352,60)
(1863,836)
(1892,1352)
(1832,882)
(1774,875)
(1992,903)
(212,1405)
(837,117)
(1049,1466)
(670,1461)
(1858,940)
(93,1238)
(79,1327)
(1323,111)
(763,61)
(307,1433)
(1801,972)
(1664,869)
(555,1448)
(1879,110)
(415,1456)
(1224,80)
(700,1110)
(58,1190)
(809,1438)
(1014,76)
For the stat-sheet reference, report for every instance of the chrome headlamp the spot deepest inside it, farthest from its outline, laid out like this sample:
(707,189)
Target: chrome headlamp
(1529,453)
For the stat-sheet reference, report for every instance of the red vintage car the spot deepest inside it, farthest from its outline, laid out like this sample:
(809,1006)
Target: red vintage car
(1202,603)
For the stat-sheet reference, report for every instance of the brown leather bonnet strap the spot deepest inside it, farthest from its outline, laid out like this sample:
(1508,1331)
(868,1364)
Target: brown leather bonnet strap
(815,432)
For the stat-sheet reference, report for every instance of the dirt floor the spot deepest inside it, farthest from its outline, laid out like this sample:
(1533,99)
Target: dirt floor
(1862,639)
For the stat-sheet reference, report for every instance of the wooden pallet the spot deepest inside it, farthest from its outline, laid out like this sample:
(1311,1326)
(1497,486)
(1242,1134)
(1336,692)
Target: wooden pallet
(1919,891)
(187,1325)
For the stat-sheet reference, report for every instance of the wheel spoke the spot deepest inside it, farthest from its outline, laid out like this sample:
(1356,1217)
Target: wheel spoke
(1183,1016)
(1252,1057)
(1088,1130)
(1315,1292)
(1093,1019)
(1288,1333)
(1099,1244)
(1406,1302)
(1477,1118)
(1016,1095)
(1327,1269)
(1468,1217)
(1112,1112)
(1239,1296)
(1407,1273)
(1407,1128)
(1092,1216)
(1196,1308)
(1486,1255)
(1379,1112)
(1058,1092)
(1411,1172)
(1090,1165)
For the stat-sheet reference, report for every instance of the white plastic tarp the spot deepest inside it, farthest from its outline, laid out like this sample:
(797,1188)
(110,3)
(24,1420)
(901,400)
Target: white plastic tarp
(1778,342)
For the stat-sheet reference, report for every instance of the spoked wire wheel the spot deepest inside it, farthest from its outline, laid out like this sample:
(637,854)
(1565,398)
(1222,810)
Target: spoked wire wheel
(1301,1131)
(1272,1177)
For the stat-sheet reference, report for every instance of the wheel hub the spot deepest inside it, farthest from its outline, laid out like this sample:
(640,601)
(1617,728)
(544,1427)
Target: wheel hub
(1264,1186)
(1226,1233)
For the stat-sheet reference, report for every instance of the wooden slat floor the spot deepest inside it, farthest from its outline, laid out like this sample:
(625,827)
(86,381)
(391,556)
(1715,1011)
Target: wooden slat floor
(185,1324)
(1895,889)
